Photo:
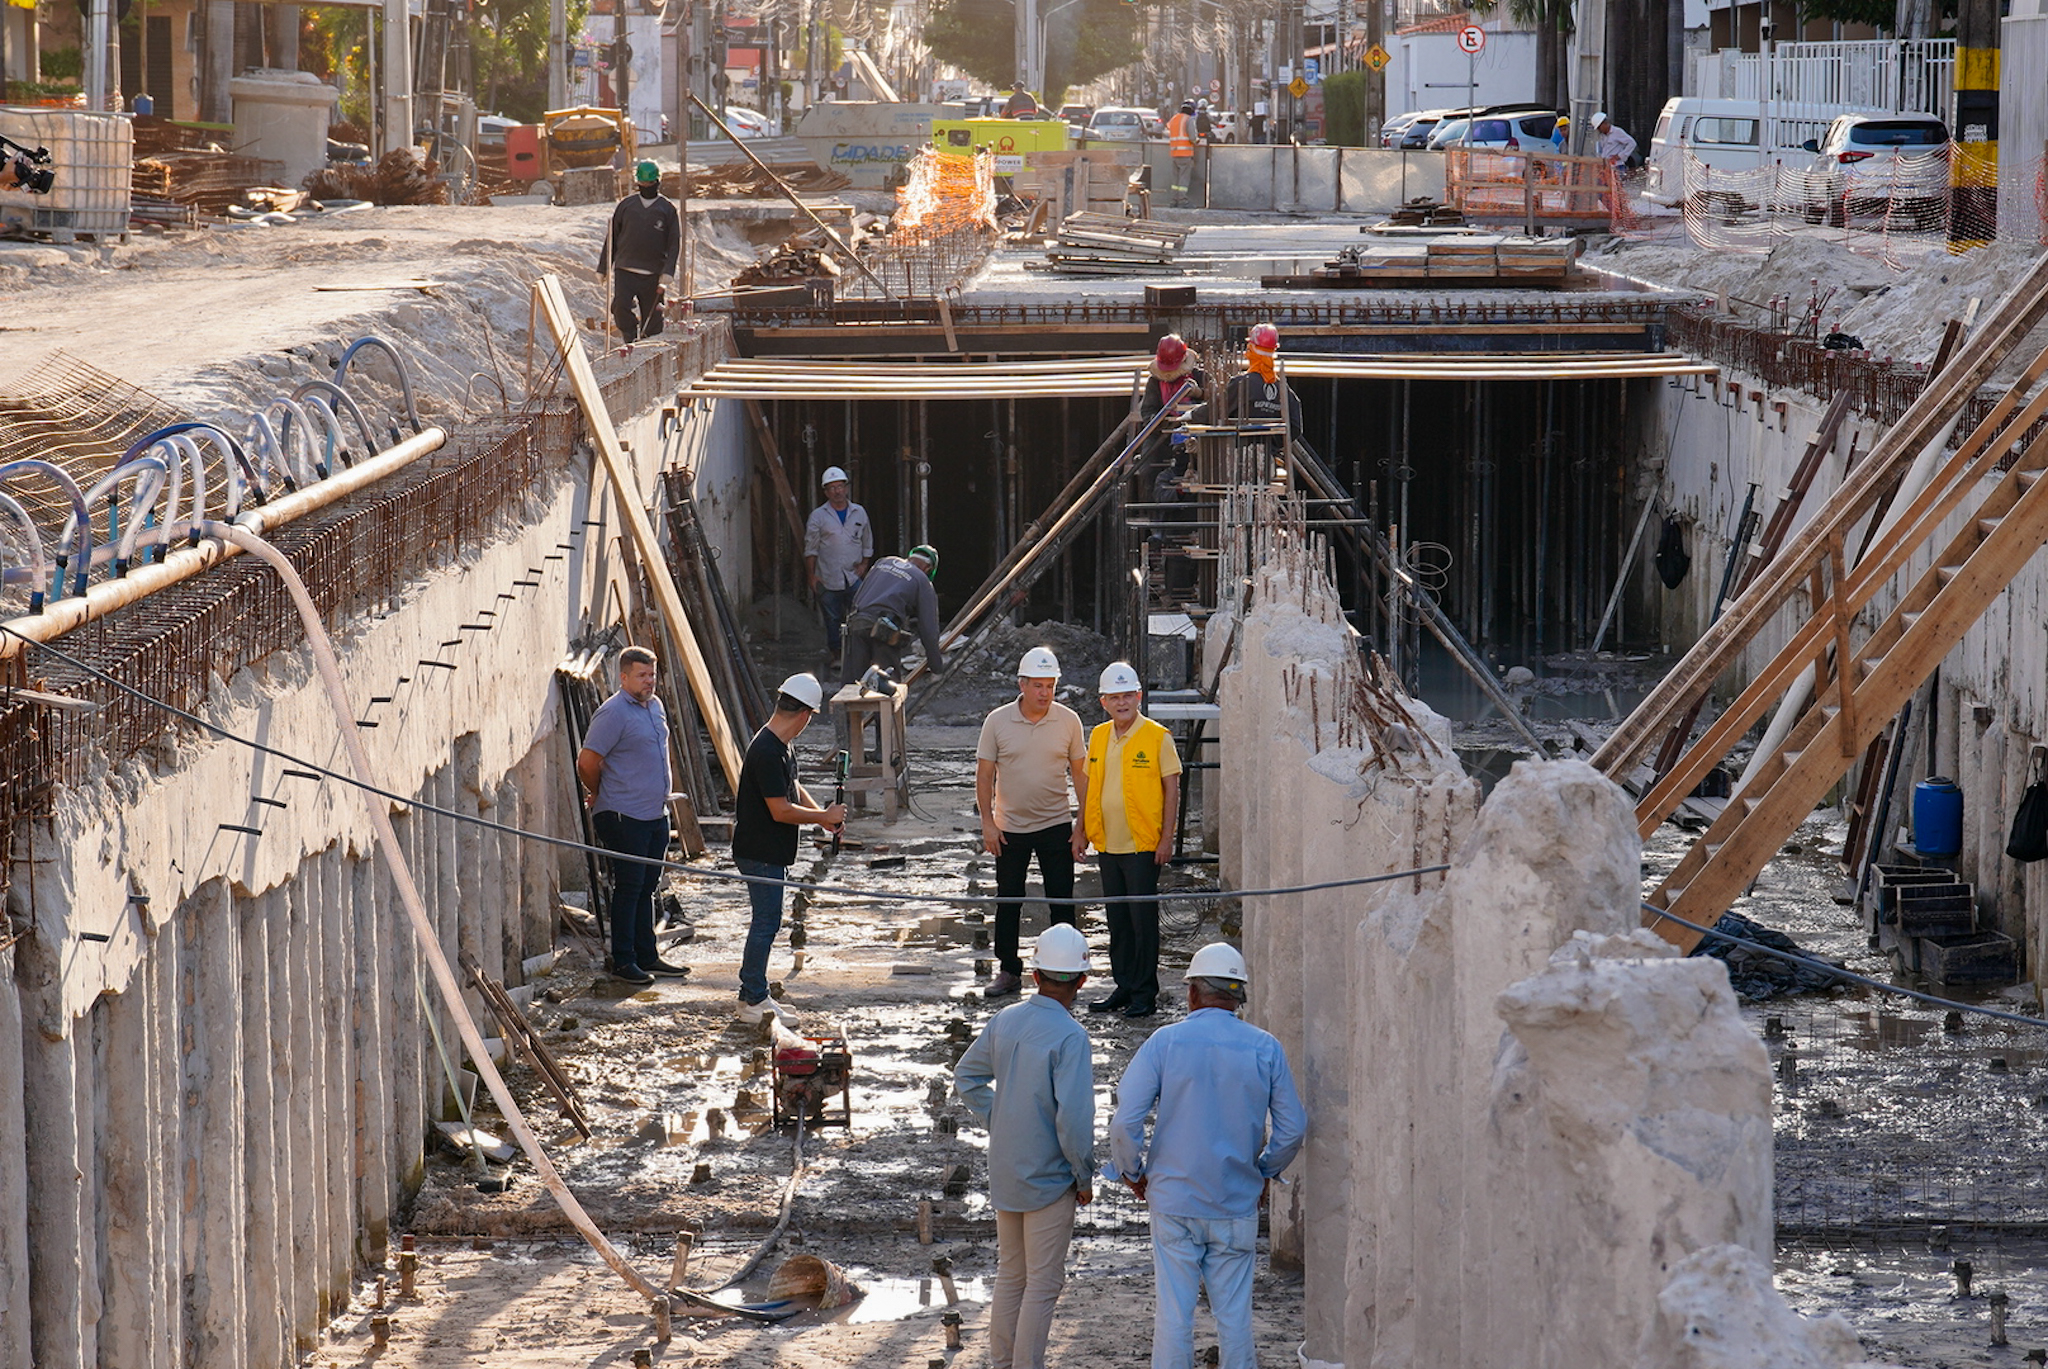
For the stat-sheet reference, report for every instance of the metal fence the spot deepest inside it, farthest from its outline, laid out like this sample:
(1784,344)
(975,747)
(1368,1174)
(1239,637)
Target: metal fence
(1819,80)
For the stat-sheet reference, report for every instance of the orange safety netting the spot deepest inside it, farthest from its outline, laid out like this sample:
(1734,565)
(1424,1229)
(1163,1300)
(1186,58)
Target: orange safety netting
(1535,189)
(1892,208)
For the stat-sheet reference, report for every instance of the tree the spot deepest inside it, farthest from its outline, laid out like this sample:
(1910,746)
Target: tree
(1344,109)
(1083,42)
(509,39)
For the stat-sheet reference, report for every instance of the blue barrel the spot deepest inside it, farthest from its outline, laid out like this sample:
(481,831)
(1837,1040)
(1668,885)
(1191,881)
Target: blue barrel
(1937,817)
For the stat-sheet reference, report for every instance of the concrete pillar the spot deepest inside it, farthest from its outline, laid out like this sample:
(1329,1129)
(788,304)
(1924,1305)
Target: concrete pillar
(1655,1101)
(475,920)
(214,1134)
(510,941)
(175,1237)
(409,1067)
(15,1343)
(50,1137)
(294,1047)
(376,1058)
(88,1050)
(1277,984)
(268,1337)
(337,1077)
(446,899)
(541,894)
(130,1330)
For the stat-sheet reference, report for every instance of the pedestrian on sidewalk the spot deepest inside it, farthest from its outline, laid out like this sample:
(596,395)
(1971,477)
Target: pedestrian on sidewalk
(839,542)
(771,806)
(1129,814)
(1227,1122)
(623,768)
(1029,749)
(643,243)
(894,602)
(1030,1078)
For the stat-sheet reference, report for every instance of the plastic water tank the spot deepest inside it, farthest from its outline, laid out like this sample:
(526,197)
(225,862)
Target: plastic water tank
(91,155)
(1937,817)
(282,116)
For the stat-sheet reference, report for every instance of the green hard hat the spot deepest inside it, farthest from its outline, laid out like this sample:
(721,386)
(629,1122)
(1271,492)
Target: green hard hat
(931,559)
(646,172)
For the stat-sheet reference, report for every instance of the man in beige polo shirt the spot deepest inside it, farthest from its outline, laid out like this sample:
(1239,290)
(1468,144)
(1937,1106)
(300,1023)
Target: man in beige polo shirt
(1030,748)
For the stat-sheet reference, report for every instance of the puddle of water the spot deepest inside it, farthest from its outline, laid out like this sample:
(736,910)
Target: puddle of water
(889,1299)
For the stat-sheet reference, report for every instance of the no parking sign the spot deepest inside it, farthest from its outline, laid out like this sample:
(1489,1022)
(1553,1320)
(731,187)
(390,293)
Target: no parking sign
(1471,40)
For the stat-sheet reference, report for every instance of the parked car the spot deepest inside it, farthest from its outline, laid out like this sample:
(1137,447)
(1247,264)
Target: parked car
(1725,135)
(1228,127)
(1424,129)
(1882,165)
(748,123)
(1498,126)
(490,132)
(1394,129)
(1117,124)
(1076,114)
(1447,132)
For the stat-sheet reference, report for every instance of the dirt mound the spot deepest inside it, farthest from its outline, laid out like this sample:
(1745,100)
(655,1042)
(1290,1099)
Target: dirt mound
(987,677)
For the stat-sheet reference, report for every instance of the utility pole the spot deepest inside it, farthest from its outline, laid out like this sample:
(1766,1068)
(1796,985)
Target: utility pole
(622,50)
(398,129)
(1973,173)
(1589,74)
(558,54)
(1375,77)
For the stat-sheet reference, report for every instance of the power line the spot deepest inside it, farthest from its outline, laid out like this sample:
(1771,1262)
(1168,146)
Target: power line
(730,876)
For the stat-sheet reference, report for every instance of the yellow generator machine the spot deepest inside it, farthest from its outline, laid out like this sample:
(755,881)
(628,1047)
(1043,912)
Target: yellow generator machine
(1004,137)
(580,137)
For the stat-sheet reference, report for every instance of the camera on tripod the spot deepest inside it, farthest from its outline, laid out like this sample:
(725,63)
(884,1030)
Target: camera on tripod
(31,168)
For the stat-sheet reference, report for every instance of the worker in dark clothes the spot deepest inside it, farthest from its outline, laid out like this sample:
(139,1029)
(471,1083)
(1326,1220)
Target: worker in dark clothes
(895,602)
(1022,104)
(643,243)
(1256,394)
(1173,376)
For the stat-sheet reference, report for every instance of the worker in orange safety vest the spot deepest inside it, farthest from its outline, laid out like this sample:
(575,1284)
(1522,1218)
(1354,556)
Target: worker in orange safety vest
(1180,141)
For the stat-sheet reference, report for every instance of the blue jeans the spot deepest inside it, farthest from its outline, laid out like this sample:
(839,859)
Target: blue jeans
(1218,1252)
(633,884)
(835,604)
(767,905)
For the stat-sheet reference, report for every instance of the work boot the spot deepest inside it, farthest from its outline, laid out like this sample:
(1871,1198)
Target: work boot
(1003,985)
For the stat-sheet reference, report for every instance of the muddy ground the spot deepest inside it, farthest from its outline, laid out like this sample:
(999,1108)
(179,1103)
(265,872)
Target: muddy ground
(892,976)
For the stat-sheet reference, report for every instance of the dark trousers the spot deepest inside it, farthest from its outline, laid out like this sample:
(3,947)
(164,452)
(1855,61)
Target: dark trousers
(633,884)
(834,604)
(862,651)
(632,291)
(1133,927)
(1054,848)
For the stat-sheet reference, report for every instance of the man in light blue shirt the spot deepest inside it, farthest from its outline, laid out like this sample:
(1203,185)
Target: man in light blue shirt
(1215,1082)
(1030,1077)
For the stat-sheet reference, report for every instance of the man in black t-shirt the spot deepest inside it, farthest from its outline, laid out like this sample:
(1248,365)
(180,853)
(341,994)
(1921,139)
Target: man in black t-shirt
(772,805)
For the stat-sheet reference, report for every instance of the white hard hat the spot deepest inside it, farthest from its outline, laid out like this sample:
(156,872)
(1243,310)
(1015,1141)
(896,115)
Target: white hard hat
(1217,960)
(1061,949)
(1119,678)
(1039,664)
(804,688)
(1600,118)
(832,473)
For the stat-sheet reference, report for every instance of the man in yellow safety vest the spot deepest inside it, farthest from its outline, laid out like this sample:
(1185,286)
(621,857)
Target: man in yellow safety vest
(1129,813)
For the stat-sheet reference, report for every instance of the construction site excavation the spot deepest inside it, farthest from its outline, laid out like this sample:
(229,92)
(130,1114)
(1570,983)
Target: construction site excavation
(1549,687)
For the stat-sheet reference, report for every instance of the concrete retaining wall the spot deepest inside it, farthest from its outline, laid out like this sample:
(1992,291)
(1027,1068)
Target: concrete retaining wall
(215,1078)
(1518,1102)
(1318,180)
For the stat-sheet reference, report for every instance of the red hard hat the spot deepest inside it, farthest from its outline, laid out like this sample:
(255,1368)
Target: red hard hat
(1266,337)
(1172,352)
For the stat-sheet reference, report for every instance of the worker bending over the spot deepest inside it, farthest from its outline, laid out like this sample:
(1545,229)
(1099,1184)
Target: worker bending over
(895,602)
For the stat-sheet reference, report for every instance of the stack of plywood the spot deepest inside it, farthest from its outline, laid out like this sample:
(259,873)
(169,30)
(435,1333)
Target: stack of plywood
(1085,182)
(1414,256)
(1459,255)
(1106,245)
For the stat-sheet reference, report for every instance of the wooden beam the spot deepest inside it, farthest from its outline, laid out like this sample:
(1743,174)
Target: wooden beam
(771,456)
(555,304)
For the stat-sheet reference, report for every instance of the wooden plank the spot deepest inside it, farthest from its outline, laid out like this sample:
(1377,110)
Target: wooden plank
(946,322)
(771,457)
(555,304)
(2025,305)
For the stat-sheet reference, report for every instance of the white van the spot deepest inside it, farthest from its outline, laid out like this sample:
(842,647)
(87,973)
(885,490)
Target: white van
(1727,135)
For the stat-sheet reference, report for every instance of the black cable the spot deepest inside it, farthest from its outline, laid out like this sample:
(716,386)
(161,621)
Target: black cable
(889,895)
(1836,971)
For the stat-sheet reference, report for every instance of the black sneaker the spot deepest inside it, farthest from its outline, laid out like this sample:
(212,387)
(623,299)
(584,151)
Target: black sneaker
(661,969)
(1112,1003)
(630,974)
